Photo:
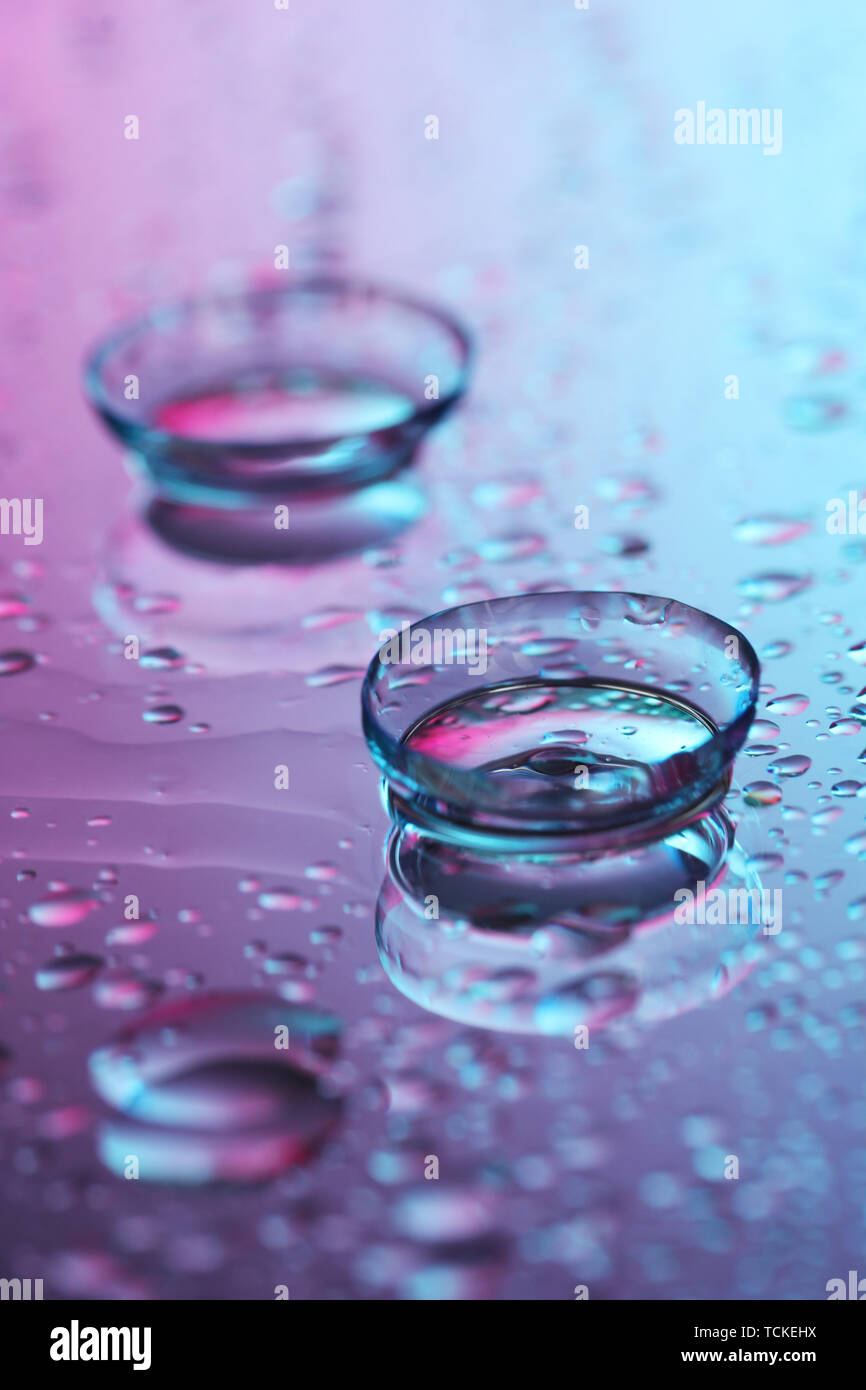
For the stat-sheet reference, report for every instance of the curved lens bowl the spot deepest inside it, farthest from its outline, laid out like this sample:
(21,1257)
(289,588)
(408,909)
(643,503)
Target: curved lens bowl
(591,716)
(234,398)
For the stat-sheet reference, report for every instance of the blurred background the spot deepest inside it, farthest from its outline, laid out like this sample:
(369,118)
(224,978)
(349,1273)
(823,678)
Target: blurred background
(607,386)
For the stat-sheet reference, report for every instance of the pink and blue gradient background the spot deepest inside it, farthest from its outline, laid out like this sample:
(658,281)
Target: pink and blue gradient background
(260,127)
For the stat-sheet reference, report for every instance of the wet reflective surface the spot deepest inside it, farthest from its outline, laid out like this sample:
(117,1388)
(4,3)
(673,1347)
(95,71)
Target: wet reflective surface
(152,859)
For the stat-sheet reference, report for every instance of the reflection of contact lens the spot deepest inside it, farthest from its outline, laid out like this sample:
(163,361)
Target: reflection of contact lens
(600,893)
(594,717)
(536,943)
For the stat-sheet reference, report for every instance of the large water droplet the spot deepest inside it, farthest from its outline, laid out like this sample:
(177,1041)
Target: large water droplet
(794,765)
(788,704)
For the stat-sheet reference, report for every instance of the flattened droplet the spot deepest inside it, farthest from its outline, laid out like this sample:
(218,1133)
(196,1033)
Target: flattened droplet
(773,588)
(12,663)
(626,546)
(771,530)
(334,675)
(445,1214)
(280,900)
(65,908)
(762,794)
(815,413)
(68,972)
(161,659)
(124,989)
(788,704)
(794,765)
(773,651)
(163,714)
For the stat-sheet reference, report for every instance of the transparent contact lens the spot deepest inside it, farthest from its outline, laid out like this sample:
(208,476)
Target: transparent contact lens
(241,401)
(204,1090)
(596,716)
(554,766)
(553,747)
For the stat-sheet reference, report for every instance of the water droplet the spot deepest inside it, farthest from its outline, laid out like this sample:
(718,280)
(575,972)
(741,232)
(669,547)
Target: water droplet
(623,545)
(506,492)
(626,491)
(771,530)
(13,662)
(130,933)
(847,788)
(501,548)
(13,605)
(124,989)
(763,729)
(773,588)
(772,651)
(161,659)
(762,794)
(280,900)
(794,765)
(334,675)
(163,714)
(154,604)
(68,972)
(323,872)
(64,908)
(788,704)
(326,936)
(812,413)
(445,1214)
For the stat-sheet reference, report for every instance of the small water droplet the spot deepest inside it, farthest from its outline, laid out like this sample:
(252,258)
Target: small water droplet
(163,714)
(63,908)
(68,972)
(762,794)
(771,530)
(14,662)
(773,588)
